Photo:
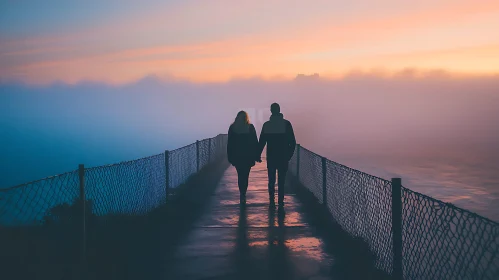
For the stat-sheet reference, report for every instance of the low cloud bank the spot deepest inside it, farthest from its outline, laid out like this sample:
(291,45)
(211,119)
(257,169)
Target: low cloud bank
(48,130)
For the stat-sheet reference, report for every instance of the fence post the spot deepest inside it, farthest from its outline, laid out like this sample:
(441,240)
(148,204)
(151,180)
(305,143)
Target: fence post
(324,182)
(209,150)
(397,227)
(167,172)
(298,147)
(81,174)
(197,154)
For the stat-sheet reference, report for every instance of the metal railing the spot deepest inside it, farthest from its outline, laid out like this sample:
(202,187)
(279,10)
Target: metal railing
(413,236)
(71,223)
(132,187)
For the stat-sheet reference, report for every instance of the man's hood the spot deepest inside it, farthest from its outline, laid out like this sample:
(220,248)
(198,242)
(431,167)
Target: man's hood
(278,116)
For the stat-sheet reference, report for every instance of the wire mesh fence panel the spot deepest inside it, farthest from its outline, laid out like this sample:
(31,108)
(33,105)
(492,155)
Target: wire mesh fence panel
(35,202)
(133,187)
(214,149)
(220,146)
(361,205)
(182,164)
(441,241)
(293,161)
(204,152)
(223,141)
(311,172)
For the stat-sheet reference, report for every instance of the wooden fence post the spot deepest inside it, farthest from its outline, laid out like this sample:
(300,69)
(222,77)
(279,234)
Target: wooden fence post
(397,227)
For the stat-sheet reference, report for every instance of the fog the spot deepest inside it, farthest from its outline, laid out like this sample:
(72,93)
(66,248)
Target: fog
(49,130)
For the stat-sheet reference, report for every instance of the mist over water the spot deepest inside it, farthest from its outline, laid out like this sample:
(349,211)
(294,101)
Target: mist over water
(438,133)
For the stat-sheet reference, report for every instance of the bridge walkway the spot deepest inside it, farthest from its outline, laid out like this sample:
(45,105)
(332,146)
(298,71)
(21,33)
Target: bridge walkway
(256,241)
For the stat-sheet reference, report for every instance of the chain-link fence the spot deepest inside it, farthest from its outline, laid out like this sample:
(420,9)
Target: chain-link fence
(442,241)
(61,226)
(185,161)
(30,203)
(130,188)
(182,163)
(423,239)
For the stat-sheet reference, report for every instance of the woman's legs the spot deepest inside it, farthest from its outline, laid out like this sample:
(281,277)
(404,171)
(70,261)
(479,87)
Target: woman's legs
(242,180)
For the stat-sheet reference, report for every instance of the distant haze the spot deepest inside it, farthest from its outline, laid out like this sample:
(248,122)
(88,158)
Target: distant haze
(434,130)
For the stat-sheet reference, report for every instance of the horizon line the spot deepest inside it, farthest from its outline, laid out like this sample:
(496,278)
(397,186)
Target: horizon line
(378,73)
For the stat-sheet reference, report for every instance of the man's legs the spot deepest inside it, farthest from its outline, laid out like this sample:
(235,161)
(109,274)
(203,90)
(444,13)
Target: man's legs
(271,172)
(282,171)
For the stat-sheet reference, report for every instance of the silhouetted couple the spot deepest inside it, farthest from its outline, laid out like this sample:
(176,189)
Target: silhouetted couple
(244,149)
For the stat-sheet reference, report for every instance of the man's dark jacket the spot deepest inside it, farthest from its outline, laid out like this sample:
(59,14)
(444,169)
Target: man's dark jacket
(278,134)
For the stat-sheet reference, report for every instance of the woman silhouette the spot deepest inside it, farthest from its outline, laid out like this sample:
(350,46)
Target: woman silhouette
(242,147)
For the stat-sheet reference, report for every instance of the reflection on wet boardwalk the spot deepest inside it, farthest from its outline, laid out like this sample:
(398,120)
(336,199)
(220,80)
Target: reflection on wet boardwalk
(253,242)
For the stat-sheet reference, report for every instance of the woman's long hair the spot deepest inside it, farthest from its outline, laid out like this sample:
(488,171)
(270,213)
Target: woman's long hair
(242,121)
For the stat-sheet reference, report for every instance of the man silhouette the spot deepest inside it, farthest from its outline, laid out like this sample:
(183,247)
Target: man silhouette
(278,135)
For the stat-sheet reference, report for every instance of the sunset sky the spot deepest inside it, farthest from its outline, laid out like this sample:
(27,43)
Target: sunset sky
(121,41)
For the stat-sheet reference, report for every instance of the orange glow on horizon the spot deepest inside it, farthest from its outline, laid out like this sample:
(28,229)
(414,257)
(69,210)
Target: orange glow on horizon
(460,39)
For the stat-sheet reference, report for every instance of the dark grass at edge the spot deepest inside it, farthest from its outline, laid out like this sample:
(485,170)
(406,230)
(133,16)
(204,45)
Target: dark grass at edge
(118,246)
(354,260)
